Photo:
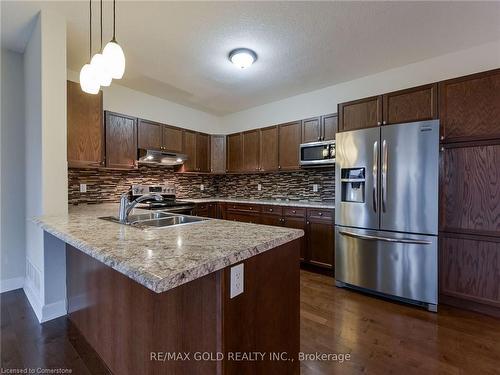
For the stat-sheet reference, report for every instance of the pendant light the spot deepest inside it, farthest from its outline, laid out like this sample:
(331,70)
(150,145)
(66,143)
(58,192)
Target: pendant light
(113,54)
(99,64)
(88,78)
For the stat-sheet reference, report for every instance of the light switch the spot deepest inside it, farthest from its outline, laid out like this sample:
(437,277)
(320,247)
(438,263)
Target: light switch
(315,188)
(202,187)
(83,188)
(237,281)
(259,187)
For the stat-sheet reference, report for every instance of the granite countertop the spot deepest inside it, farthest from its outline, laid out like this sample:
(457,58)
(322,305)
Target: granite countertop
(162,259)
(274,202)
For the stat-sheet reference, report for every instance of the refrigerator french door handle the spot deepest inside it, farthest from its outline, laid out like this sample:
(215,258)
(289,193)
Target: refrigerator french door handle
(384,175)
(385,239)
(375,175)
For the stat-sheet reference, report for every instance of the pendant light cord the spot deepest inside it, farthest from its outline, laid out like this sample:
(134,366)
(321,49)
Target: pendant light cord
(90,30)
(114,20)
(101,26)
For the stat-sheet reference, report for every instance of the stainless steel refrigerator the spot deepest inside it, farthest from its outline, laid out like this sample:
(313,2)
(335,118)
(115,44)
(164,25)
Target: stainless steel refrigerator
(386,211)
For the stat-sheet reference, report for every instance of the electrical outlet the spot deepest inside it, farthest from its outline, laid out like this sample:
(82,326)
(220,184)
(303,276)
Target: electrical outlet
(83,188)
(202,187)
(315,188)
(259,187)
(237,281)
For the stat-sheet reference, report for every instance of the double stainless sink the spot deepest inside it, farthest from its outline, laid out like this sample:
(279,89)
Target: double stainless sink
(156,219)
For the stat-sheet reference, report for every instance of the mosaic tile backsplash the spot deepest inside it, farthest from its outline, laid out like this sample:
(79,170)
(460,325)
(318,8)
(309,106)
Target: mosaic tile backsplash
(107,185)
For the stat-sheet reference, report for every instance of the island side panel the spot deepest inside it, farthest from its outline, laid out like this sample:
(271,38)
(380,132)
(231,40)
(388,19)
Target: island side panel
(265,318)
(124,321)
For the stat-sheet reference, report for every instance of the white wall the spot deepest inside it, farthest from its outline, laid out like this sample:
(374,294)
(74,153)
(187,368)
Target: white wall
(46,165)
(323,101)
(12,172)
(121,99)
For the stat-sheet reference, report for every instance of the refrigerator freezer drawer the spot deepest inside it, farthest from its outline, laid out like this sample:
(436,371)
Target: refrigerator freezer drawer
(397,264)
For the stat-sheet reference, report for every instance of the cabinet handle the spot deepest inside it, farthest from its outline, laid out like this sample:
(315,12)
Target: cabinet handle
(251,208)
(270,210)
(294,211)
(319,138)
(442,137)
(308,223)
(279,166)
(378,122)
(385,122)
(442,149)
(320,213)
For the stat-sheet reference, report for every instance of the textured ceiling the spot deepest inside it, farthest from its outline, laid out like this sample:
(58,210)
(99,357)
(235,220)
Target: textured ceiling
(178,50)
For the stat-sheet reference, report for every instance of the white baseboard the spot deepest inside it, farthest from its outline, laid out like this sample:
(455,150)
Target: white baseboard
(34,300)
(53,310)
(11,284)
(44,313)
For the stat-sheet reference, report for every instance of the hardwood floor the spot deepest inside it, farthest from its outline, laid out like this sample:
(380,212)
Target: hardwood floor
(389,338)
(382,337)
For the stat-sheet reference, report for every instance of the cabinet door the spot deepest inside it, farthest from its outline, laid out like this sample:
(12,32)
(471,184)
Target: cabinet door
(415,104)
(470,189)
(202,152)
(320,242)
(469,107)
(172,139)
(290,136)
(360,114)
(251,150)
(329,123)
(469,269)
(85,127)
(311,130)
(189,148)
(149,135)
(234,153)
(274,220)
(212,210)
(121,141)
(297,223)
(218,153)
(269,149)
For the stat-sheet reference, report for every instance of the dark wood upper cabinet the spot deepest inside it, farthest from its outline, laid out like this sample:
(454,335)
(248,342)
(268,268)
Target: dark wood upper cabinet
(234,152)
(329,126)
(470,189)
(149,135)
(415,104)
(172,139)
(312,130)
(251,150)
(121,141)
(269,149)
(85,127)
(290,136)
(218,153)
(360,114)
(469,107)
(189,148)
(202,152)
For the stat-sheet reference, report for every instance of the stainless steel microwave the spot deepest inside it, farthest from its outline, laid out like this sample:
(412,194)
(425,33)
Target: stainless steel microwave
(317,154)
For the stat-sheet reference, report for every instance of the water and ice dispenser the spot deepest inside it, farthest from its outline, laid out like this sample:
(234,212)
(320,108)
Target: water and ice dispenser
(353,184)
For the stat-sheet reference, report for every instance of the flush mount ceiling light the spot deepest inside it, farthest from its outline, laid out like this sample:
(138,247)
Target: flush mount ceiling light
(242,57)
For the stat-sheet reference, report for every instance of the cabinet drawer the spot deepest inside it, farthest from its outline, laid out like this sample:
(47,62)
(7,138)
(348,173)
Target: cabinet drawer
(294,211)
(243,207)
(272,210)
(320,214)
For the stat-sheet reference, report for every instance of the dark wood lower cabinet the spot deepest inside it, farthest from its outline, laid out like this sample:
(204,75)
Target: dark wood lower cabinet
(125,322)
(321,242)
(470,272)
(317,245)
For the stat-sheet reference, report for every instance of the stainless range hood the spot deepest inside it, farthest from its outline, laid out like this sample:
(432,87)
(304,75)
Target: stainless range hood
(161,157)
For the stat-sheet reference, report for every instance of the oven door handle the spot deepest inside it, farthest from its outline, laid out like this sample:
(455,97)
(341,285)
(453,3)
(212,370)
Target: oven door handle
(385,239)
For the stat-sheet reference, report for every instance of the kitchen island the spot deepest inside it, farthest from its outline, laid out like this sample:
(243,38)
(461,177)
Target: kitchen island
(159,300)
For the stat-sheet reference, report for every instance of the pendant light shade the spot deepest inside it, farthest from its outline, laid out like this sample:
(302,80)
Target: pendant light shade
(99,65)
(114,59)
(88,80)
